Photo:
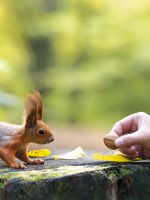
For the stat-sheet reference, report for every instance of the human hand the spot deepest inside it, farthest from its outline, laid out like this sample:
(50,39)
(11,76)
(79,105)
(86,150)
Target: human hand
(133,134)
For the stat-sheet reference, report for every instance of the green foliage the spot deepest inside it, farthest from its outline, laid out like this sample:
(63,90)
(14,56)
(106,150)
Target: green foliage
(90,59)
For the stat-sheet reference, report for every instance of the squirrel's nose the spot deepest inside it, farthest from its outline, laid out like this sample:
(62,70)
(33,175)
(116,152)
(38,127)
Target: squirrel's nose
(52,138)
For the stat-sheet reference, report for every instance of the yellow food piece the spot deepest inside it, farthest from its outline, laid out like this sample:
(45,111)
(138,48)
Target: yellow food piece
(113,157)
(56,157)
(39,153)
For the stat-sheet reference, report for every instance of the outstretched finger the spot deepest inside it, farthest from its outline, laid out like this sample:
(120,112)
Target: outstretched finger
(129,140)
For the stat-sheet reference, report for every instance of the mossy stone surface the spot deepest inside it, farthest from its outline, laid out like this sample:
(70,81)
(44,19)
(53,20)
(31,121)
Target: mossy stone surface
(54,180)
(83,179)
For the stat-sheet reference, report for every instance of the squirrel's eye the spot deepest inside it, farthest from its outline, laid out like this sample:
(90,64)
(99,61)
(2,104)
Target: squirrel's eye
(41,131)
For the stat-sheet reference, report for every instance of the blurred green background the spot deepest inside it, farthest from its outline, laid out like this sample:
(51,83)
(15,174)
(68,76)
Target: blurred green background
(89,59)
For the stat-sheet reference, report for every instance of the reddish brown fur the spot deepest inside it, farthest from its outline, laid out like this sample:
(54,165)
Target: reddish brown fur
(15,139)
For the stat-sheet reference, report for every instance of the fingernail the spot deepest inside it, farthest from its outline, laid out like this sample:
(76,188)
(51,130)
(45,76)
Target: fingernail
(119,142)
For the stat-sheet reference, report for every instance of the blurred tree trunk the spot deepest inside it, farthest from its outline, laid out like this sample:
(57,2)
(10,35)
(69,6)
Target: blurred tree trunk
(41,61)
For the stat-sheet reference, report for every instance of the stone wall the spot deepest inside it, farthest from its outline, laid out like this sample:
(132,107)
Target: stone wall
(76,180)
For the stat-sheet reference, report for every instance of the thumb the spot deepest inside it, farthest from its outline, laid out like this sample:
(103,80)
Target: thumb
(129,139)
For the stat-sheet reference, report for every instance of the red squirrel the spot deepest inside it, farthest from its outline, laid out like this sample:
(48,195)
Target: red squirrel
(15,139)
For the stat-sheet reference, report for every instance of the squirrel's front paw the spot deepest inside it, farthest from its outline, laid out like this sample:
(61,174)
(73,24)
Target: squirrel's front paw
(18,165)
(36,162)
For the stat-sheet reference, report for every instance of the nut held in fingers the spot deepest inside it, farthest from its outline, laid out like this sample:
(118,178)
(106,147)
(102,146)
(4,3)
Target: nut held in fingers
(109,141)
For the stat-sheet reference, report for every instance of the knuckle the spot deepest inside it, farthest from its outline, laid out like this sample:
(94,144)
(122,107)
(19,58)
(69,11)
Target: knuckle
(141,113)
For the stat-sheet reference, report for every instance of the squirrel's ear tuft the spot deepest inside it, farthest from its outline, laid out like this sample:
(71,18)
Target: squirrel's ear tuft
(30,111)
(39,102)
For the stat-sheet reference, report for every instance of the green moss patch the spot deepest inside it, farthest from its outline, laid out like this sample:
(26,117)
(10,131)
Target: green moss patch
(35,175)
